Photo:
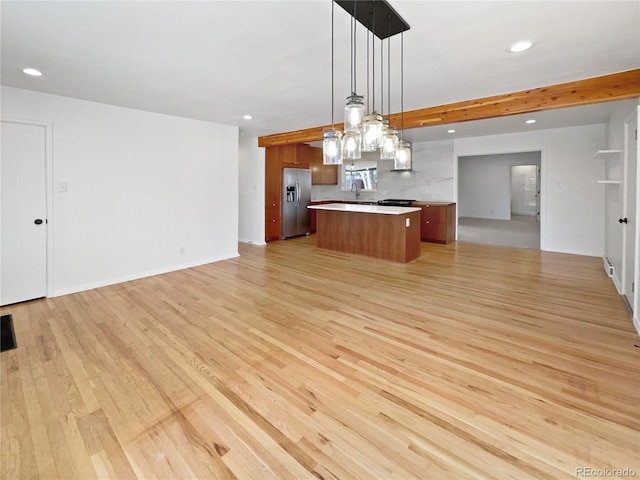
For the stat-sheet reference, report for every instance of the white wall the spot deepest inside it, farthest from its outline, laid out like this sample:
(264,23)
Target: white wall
(251,191)
(142,187)
(572,207)
(484,183)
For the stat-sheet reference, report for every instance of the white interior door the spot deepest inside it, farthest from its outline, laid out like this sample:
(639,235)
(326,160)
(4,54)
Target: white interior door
(524,189)
(538,194)
(631,169)
(23,236)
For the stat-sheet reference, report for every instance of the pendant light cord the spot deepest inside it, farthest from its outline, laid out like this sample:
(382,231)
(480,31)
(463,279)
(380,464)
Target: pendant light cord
(382,77)
(402,84)
(373,56)
(352,88)
(332,121)
(389,67)
(354,56)
(368,82)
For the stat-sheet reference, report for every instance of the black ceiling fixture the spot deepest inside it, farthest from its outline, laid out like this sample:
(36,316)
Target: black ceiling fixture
(387,21)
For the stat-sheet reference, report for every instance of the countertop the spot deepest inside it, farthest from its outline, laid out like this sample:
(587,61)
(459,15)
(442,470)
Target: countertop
(355,207)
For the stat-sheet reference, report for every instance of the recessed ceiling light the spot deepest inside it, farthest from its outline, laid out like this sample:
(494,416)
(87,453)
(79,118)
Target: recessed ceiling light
(521,46)
(247,117)
(451,130)
(32,71)
(530,121)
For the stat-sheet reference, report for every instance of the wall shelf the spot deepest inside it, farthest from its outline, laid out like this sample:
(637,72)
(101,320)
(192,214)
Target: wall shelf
(607,154)
(609,182)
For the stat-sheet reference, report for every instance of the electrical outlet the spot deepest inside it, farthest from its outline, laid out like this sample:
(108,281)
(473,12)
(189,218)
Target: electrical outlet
(183,250)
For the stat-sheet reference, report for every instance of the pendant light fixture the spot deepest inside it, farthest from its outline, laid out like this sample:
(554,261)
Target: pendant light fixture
(370,132)
(403,160)
(332,138)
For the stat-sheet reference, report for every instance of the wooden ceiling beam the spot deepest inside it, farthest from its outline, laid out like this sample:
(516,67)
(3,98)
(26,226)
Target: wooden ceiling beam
(616,86)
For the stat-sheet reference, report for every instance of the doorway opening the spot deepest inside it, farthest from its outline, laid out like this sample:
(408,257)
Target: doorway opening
(499,199)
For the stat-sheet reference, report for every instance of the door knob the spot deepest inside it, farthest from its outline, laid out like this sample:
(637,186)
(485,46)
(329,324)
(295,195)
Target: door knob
(37,221)
(622,220)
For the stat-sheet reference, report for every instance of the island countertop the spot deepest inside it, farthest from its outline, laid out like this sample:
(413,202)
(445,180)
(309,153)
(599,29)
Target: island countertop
(351,207)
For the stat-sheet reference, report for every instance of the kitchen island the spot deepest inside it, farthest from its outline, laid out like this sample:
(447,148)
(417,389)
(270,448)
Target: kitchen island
(389,233)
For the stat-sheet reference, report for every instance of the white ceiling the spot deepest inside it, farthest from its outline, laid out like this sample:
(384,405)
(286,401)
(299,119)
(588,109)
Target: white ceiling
(219,60)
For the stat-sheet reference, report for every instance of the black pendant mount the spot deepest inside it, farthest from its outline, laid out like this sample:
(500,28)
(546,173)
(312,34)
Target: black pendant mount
(387,21)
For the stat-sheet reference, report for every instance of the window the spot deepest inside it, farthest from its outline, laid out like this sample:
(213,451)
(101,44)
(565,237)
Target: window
(363,173)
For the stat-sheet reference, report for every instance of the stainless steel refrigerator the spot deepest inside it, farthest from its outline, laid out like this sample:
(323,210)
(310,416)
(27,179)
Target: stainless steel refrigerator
(296,196)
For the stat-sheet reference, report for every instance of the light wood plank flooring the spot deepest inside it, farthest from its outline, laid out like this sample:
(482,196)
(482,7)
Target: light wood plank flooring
(290,362)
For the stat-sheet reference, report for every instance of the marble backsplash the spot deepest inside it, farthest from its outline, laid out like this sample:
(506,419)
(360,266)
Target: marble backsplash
(430,180)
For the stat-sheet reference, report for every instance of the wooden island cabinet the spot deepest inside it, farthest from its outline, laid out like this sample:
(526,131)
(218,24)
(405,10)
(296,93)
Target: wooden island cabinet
(437,221)
(389,233)
(314,215)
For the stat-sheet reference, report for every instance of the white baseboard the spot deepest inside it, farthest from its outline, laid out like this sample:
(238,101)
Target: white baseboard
(261,243)
(617,284)
(137,276)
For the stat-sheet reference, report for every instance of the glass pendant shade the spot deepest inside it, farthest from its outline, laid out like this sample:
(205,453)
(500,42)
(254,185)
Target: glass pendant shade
(351,146)
(389,144)
(403,156)
(332,147)
(371,132)
(385,126)
(353,113)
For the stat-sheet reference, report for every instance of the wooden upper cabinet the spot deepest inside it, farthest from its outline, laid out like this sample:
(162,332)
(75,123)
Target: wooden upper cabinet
(322,174)
(296,155)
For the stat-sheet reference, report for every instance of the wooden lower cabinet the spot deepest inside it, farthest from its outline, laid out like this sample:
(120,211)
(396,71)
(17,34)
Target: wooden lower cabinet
(273,187)
(437,221)
(273,227)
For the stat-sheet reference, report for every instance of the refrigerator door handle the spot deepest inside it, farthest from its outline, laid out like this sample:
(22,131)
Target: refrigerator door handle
(298,193)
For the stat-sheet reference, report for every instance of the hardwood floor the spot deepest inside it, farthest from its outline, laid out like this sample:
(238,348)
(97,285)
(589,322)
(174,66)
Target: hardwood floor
(291,362)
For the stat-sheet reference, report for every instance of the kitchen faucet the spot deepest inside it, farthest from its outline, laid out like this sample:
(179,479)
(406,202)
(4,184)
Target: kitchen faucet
(357,192)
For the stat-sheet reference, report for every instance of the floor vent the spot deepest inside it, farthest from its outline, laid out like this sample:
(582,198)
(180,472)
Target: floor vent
(608,266)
